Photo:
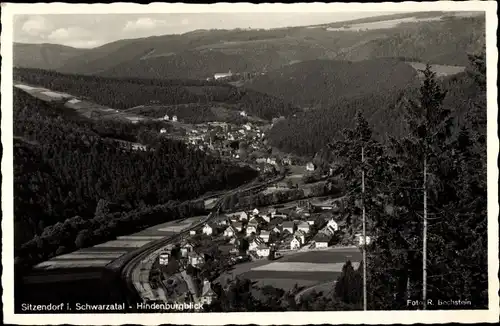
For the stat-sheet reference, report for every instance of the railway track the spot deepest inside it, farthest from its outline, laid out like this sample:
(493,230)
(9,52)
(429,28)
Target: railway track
(126,266)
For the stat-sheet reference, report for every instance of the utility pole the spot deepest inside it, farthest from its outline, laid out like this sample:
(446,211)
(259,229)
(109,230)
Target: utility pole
(364,225)
(424,254)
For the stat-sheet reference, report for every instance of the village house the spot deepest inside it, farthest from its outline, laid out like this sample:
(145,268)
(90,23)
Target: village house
(288,226)
(251,229)
(186,248)
(207,293)
(260,160)
(321,240)
(243,216)
(271,160)
(174,118)
(287,161)
(229,232)
(266,218)
(243,113)
(310,166)
(208,229)
(295,243)
(301,236)
(238,226)
(192,232)
(255,243)
(195,259)
(333,225)
(223,220)
(360,239)
(255,211)
(262,250)
(303,226)
(163,130)
(163,258)
(166,117)
(265,235)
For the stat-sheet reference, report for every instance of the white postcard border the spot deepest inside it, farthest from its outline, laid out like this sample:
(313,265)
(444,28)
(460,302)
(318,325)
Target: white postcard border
(292,318)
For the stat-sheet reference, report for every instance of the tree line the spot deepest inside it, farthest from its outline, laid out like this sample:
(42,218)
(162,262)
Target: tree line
(426,189)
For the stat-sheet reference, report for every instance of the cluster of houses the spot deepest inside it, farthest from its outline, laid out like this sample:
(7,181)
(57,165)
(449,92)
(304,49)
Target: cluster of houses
(220,136)
(272,230)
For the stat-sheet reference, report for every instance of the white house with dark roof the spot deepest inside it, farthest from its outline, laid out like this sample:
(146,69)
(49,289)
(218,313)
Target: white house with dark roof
(262,250)
(310,166)
(243,216)
(195,259)
(251,229)
(255,243)
(321,240)
(295,243)
(265,235)
(208,229)
(207,293)
(288,226)
(332,224)
(301,236)
(230,231)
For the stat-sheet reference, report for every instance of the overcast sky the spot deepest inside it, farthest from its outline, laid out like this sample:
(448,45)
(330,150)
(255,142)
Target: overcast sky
(91,30)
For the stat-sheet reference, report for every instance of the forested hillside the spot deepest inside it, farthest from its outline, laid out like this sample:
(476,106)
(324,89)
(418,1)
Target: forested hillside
(325,83)
(310,131)
(443,39)
(447,41)
(63,169)
(125,93)
(43,56)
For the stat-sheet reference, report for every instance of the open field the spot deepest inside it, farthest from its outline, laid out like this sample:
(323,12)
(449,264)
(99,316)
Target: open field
(440,70)
(300,267)
(384,24)
(304,269)
(104,253)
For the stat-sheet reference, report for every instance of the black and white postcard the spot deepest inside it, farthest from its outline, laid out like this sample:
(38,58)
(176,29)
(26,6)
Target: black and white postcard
(249,163)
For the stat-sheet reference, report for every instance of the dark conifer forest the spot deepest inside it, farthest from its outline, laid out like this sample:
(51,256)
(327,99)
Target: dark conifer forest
(64,168)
